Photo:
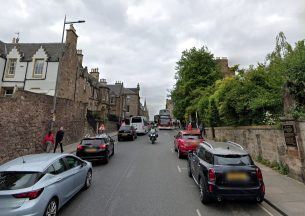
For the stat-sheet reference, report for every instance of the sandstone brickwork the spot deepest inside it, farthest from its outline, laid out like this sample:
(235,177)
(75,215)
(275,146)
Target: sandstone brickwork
(25,119)
(265,141)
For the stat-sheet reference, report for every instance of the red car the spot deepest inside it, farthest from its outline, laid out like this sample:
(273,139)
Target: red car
(186,141)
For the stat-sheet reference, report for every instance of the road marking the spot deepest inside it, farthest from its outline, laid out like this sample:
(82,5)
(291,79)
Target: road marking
(178,168)
(266,210)
(172,150)
(198,212)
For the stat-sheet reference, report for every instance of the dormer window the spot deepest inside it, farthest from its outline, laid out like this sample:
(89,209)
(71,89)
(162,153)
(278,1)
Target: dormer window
(11,67)
(38,67)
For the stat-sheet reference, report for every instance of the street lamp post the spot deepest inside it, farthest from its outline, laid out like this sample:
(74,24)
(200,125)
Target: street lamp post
(58,68)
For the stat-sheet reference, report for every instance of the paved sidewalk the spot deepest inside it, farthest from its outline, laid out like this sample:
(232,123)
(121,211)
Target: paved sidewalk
(72,147)
(285,193)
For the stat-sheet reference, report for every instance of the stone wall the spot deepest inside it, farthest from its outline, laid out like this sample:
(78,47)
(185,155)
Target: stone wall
(266,141)
(25,119)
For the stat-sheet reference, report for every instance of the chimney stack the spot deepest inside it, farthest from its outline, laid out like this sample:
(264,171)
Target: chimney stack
(71,37)
(14,40)
(94,72)
(80,57)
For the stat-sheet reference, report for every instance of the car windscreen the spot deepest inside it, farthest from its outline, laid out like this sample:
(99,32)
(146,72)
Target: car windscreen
(93,141)
(233,160)
(191,136)
(125,128)
(165,120)
(18,180)
(136,120)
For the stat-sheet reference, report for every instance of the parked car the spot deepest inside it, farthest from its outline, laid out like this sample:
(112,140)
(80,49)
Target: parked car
(100,147)
(224,170)
(140,124)
(40,184)
(186,141)
(127,132)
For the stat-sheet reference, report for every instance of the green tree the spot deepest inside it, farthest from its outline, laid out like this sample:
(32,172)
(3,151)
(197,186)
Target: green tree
(195,71)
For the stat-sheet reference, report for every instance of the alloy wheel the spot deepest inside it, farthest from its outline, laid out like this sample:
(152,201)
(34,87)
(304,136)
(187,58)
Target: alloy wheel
(89,179)
(52,209)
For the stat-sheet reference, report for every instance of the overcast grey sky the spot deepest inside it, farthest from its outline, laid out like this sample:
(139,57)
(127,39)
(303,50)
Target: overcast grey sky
(140,40)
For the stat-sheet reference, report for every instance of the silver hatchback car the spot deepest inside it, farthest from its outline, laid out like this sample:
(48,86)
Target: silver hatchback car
(40,184)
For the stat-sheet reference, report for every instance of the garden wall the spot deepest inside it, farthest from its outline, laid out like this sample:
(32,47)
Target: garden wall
(265,141)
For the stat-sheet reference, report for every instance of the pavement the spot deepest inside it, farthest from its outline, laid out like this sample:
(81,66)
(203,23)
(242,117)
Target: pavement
(145,179)
(283,192)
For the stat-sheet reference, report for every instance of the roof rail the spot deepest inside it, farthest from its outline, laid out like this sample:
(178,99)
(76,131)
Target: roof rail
(208,144)
(236,144)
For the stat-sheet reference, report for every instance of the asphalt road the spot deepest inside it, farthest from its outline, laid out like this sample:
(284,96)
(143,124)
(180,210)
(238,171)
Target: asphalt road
(149,180)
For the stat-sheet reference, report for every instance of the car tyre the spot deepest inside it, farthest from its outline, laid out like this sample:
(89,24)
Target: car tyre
(112,150)
(52,208)
(106,160)
(189,171)
(204,196)
(88,180)
(179,154)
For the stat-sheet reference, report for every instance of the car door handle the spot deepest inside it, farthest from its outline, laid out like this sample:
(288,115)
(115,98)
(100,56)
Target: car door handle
(58,180)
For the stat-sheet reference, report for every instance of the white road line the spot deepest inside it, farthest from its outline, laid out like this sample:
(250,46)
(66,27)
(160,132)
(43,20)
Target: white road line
(266,210)
(198,212)
(178,168)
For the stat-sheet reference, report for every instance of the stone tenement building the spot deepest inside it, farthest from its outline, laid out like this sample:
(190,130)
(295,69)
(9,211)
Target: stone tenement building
(223,64)
(169,106)
(133,104)
(34,67)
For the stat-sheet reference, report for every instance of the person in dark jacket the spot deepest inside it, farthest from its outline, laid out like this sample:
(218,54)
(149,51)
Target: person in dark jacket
(58,140)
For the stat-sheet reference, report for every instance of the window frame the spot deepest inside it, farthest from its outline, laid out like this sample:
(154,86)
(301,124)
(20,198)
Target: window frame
(64,163)
(68,165)
(8,68)
(35,75)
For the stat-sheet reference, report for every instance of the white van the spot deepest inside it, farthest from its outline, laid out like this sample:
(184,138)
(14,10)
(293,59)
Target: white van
(140,123)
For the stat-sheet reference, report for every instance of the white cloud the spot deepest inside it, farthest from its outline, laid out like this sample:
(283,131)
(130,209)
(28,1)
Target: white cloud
(140,40)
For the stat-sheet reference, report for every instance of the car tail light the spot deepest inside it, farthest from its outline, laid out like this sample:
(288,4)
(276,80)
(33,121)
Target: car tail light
(31,195)
(212,176)
(263,188)
(259,174)
(211,188)
(80,147)
(102,146)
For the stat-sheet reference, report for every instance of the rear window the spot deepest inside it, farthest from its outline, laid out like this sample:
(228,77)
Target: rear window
(125,128)
(136,120)
(233,160)
(18,180)
(191,136)
(93,141)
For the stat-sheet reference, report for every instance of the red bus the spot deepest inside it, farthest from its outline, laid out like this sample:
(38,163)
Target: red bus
(165,122)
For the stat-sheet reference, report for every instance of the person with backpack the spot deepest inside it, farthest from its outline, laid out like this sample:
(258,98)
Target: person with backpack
(59,137)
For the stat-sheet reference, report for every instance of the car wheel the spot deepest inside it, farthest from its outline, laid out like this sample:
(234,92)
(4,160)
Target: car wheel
(52,208)
(179,154)
(106,160)
(189,171)
(88,181)
(112,150)
(204,196)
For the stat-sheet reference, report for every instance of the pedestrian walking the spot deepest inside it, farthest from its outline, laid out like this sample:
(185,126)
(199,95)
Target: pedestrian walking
(201,129)
(48,142)
(59,138)
(189,126)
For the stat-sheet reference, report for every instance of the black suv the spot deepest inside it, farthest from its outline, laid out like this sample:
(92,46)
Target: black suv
(100,147)
(224,170)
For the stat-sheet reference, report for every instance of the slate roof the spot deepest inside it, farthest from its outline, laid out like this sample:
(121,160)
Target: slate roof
(115,89)
(2,49)
(27,50)
(129,91)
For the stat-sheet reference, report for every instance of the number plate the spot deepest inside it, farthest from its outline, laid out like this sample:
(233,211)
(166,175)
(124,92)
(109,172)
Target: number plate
(90,150)
(237,177)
